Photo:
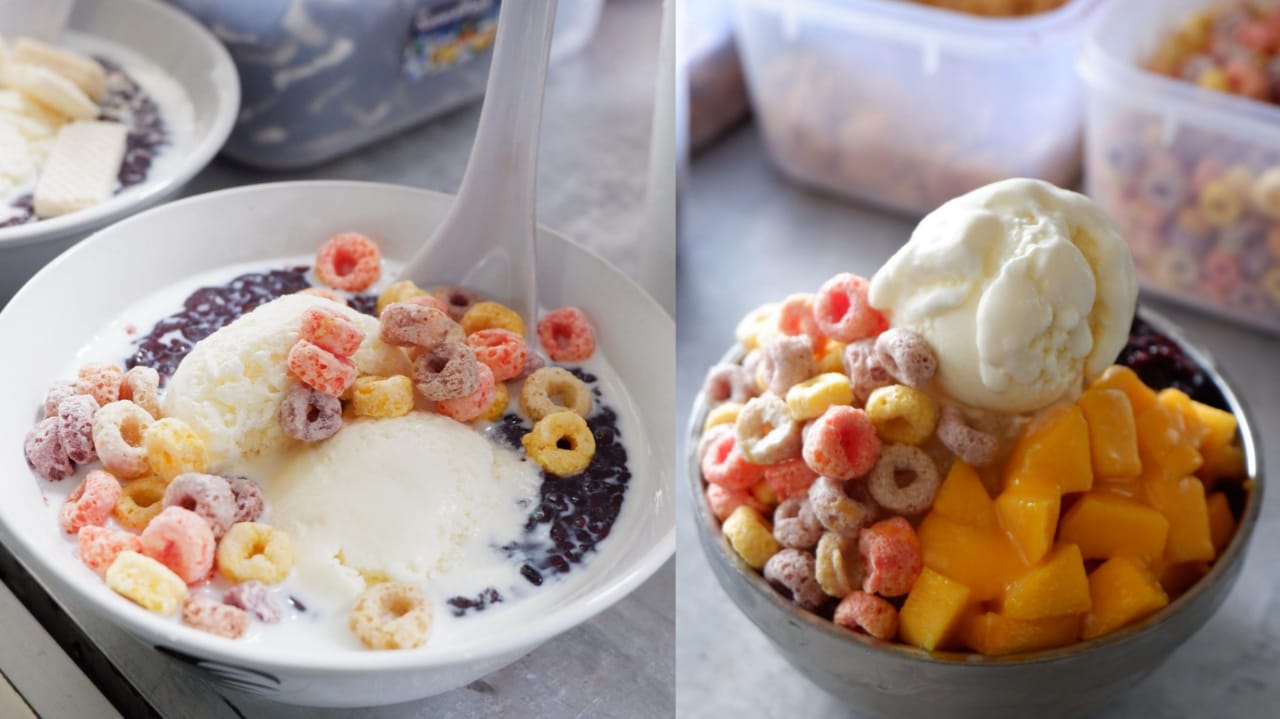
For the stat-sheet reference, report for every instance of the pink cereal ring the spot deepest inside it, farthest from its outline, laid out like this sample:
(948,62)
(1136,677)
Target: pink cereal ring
(467,408)
(210,615)
(711,436)
(975,447)
(141,386)
(795,317)
(843,311)
(795,525)
(728,383)
(99,546)
(904,480)
(349,261)
(254,597)
(457,299)
(75,427)
(310,415)
(566,335)
(892,554)
(842,443)
(182,541)
(58,391)
(790,478)
(788,361)
(723,464)
(331,331)
(793,570)
(431,301)
(117,436)
(866,373)
(906,356)
(44,452)
(100,380)
(723,501)
(208,495)
(320,369)
(91,502)
(405,324)
(249,499)
(502,351)
(860,611)
(446,371)
(837,510)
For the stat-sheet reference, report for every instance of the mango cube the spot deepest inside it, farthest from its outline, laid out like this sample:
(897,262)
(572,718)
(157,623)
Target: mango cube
(1030,521)
(1178,578)
(1181,460)
(1106,526)
(964,498)
(1052,456)
(997,635)
(1055,587)
(1176,402)
(933,611)
(1225,462)
(1113,439)
(1182,502)
(1222,524)
(983,560)
(1159,432)
(1141,397)
(1123,592)
(1127,487)
(1220,426)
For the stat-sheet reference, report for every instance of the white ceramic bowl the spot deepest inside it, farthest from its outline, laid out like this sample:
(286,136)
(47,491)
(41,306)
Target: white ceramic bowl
(198,62)
(82,291)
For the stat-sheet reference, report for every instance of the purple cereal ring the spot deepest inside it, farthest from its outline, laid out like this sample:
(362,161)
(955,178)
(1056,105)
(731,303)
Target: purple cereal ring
(788,361)
(975,447)
(866,373)
(447,371)
(44,451)
(405,324)
(208,495)
(728,383)
(795,525)
(253,597)
(58,391)
(75,427)
(309,415)
(532,363)
(249,500)
(793,570)
(904,480)
(906,356)
(837,510)
(458,299)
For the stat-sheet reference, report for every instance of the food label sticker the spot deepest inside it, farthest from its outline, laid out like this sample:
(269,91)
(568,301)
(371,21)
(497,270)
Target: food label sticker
(445,34)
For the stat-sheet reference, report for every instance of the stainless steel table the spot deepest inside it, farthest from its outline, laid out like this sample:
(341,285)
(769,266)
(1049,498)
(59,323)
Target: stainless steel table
(748,237)
(591,187)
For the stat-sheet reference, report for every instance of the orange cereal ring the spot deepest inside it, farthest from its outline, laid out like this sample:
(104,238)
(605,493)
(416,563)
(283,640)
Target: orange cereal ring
(892,554)
(99,546)
(471,406)
(566,335)
(349,261)
(320,369)
(491,316)
(100,380)
(91,503)
(331,331)
(182,541)
(790,478)
(723,464)
(503,351)
(795,317)
(864,612)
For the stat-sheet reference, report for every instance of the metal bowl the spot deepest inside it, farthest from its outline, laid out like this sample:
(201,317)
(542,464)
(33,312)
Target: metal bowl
(894,680)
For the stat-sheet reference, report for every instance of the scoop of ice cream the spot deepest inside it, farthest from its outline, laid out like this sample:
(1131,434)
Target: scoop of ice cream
(1022,288)
(410,498)
(230,386)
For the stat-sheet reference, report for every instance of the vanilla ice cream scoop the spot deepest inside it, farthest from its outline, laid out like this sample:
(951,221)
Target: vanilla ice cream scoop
(1023,289)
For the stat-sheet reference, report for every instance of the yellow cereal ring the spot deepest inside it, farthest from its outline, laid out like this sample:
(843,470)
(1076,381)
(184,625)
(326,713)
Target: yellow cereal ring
(391,615)
(250,550)
(501,399)
(554,389)
(1220,203)
(831,358)
(561,443)
(373,396)
(812,397)
(402,291)
(750,535)
(725,413)
(765,494)
(902,414)
(492,316)
(758,326)
(146,582)
(140,501)
(173,448)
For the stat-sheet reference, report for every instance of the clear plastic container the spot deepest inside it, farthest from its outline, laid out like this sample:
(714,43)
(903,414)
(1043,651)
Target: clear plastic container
(709,60)
(1191,176)
(322,78)
(907,105)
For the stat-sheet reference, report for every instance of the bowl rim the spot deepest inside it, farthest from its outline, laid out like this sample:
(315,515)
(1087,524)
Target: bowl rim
(162,631)
(226,82)
(713,541)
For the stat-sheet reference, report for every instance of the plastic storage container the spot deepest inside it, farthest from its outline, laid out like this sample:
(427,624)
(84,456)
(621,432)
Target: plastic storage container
(1191,176)
(709,60)
(907,105)
(321,78)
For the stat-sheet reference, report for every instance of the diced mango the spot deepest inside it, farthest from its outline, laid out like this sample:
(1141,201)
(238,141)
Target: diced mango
(1030,521)
(1159,431)
(1222,524)
(1056,586)
(1220,426)
(1126,380)
(1106,526)
(933,611)
(1178,578)
(964,498)
(1123,592)
(983,560)
(1180,461)
(1053,455)
(1183,407)
(1225,462)
(1182,502)
(1127,487)
(997,635)
(1113,439)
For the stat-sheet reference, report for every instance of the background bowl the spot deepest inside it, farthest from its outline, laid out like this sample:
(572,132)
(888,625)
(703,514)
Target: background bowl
(893,680)
(198,62)
(91,285)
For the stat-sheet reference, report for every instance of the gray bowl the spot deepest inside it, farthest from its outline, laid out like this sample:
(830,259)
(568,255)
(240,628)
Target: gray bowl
(892,680)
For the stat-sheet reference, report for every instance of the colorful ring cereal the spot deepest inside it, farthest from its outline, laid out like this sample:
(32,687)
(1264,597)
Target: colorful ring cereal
(118,431)
(723,464)
(146,582)
(837,510)
(726,413)
(886,482)
(1220,204)
(728,383)
(446,371)
(503,351)
(173,448)
(892,555)
(554,389)
(906,356)
(838,566)
(532,363)
(330,331)
(490,315)
(391,615)
(498,407)
(766,432)
(841,444)
(758,326)
(973,446)
(750,536)
(795,526)
(860,611)
(373,396)
(99,546)
(57,392)
(182,541)
(866,373)
(1176,268)
(465,409)
(253,597)
(208,495)
(792,569)
(813,396)
(140,501)
(457,299)
(401,291)
(561,443)
(712,435)
(843,310)
(566,335)
(210,615)
(787,362)
(44,452)
(102,380)
(91,503)
(350,262)
(248,496)
(320,369)
(141,386)
(75,427)
(795,317)
(309,415)
(723,501)
(250,550)
(324,293)
(902,414)
(1266,193)
(790,478)
(405,324)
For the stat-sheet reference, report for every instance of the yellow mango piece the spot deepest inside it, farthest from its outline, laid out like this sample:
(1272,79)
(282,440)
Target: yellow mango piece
(1222,463)
(1183,407)
(1106,526)
(933,611)
(964,498)
(1126,380)
(1182,502)
(1178,578)
(1123,592)
(1127,487)
(1222,523)
(1030,521)
(1055,587)
(1052,455)
(1113,439)
(1159,431)
(997,635)
(983,560)
(1220,426)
